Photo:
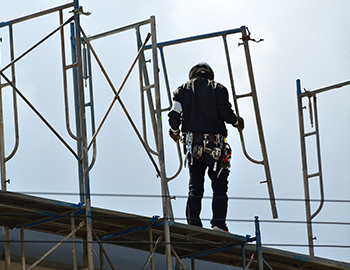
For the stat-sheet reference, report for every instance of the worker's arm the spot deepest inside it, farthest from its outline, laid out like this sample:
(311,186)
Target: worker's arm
(225,109)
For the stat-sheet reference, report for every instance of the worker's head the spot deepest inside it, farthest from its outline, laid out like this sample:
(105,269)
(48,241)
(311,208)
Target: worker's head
(201,69)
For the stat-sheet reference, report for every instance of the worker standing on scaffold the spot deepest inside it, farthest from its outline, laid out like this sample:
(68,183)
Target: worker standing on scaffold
(201,106)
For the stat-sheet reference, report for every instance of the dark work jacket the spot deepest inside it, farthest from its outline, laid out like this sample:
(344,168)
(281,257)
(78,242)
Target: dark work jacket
(205,107)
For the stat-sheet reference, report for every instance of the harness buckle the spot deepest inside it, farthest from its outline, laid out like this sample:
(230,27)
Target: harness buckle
(205,140)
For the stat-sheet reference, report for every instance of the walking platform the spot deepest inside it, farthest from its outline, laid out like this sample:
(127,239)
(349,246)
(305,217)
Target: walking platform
(138,232)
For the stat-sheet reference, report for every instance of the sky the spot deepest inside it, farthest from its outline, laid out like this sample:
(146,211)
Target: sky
(306,40)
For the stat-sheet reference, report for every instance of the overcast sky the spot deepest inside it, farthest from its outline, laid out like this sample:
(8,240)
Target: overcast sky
(306,40)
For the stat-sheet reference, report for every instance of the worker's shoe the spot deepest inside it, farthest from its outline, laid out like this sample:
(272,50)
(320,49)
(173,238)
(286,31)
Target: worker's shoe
(216,228)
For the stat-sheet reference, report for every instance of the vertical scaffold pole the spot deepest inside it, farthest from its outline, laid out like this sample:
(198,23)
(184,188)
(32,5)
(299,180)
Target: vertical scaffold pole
(4,181)
(23,255)
(243,256)
(160,147)
(74,250)
(89,264)
(268,181)
(258,244)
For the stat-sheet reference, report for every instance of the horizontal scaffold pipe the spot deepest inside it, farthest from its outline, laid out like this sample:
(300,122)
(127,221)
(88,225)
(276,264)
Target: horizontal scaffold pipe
(194,38)
(118,30)
(323,89)
(31,16)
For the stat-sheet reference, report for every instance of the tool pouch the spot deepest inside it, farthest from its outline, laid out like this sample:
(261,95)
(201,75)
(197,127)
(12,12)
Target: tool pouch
(225,162)
(197,151)
(216,153)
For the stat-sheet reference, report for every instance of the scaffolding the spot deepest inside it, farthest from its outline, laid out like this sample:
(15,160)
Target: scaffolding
(83,52)
(311,95)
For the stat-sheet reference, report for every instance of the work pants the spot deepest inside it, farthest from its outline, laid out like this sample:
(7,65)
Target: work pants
(196,190)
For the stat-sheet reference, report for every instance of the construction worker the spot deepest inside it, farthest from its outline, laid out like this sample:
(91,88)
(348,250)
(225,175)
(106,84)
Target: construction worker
(202,108)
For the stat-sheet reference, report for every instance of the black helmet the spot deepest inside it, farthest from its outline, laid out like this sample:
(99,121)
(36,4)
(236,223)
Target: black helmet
(201,68)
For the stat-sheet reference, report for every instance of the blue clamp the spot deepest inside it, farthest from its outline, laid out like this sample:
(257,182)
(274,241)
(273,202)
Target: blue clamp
(154,218)
(81,205)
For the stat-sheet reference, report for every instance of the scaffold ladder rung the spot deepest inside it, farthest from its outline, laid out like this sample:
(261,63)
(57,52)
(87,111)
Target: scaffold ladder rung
(148,87)
(310,134)
(313,175)
(5,85)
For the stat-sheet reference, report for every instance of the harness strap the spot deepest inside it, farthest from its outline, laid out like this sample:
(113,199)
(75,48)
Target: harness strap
(207,137)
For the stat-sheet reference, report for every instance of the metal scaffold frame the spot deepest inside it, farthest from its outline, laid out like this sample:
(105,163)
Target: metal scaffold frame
(81,64)
(12,83)
(311,95)
(82,52)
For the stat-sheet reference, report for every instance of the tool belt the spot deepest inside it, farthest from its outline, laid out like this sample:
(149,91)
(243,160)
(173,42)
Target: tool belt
(196,145)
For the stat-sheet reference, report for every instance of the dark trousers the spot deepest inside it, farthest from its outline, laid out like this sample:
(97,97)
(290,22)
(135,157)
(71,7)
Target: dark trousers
(196,189)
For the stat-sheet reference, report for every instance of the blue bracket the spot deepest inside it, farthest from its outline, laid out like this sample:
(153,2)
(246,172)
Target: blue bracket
(298,87)
(143,228)
(51,219)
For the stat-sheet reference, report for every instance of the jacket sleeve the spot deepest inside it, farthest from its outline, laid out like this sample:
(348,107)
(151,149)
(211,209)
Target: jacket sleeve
(225,108)
(175,113)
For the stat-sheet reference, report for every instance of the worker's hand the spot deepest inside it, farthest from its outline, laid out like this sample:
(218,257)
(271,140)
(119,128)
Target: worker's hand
(175,135)
(240,124)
